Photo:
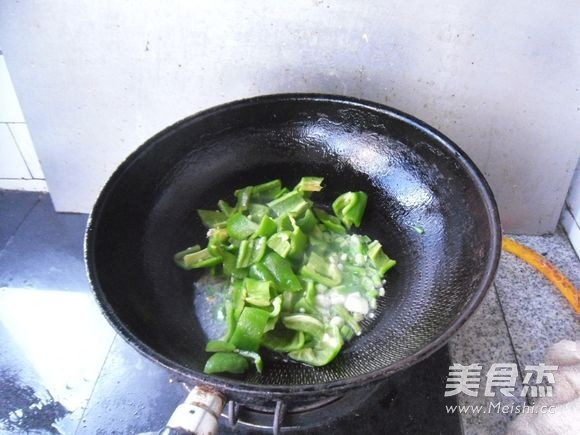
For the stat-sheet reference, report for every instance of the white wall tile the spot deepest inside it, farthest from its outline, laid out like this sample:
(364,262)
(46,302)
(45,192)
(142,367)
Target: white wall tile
(9,106)
(28,185)
(24,142)
(11,162)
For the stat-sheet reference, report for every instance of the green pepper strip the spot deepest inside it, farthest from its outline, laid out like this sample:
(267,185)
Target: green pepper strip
(305,323)
(350,208)
(255,357)
(298,243)
(280,243)
(225,362)
(211,218)
(283,340)
(323,351)
(346,316)
(330,222)
(258,292)
(292,202)
(239,293)
(281,270)
(257,211)
(250,329)
(200,259)
(250,252)
(178,258)
(309,184)
(266,191)
(382,262)
(307,222)
(243,196)
(225,207)
(260,271)
(321,271)
(219,346)
(240,227)
(266,228)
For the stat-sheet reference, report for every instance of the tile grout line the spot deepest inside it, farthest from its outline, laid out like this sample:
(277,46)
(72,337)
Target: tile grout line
(20,151)
(509,334)
(95,384)
(32,207)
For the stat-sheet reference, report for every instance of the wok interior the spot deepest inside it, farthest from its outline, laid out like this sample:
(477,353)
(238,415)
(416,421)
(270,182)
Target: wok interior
(148,212)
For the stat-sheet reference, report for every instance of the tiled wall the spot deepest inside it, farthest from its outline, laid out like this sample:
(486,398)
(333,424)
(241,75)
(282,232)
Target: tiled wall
(19,165)
(571,213)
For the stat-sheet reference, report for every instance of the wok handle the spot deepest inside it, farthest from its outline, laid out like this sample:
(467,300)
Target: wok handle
(198,414)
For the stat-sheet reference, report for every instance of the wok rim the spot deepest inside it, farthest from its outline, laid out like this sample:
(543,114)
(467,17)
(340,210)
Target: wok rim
(235,386)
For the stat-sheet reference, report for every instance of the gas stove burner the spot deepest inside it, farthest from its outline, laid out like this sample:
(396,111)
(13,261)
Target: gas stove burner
(293,416)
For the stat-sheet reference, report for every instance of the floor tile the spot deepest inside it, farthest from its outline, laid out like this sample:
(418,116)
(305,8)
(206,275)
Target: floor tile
(53,337)
(536,313)
(47,252)
(14,207)
(484,340)
(54,345)
(11,163)
(132,395)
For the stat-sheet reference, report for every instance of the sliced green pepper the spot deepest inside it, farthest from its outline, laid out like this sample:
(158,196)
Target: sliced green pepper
(350,208)
(323,351)
(330,222)
(381,261)
(225,207)
(298,243)
(201,259)
(178,258)
(240,227)
(219,346)
(267,191)
(321,271)
(283,340)
(239,293)
(266,228)
(305,323)
(255,357)
(211,218)
(280,243)
(258,292)
(260,271)
(292,202)
(250,252)
(250,328)
(307,222)
(309,184)
(225,362)
(257,211)
(243,196)
(281,269)
(347,317)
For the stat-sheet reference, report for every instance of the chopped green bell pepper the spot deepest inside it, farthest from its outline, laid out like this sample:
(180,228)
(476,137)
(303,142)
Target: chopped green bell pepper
(211,218)
(281,270)
(250,328)
(350,208)
(225,362)
(240,227)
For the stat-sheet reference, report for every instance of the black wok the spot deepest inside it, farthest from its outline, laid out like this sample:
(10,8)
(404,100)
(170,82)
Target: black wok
(413,174)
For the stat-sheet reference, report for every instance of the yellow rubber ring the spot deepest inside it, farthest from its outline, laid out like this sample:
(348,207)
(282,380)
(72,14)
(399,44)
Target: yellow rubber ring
(550,271)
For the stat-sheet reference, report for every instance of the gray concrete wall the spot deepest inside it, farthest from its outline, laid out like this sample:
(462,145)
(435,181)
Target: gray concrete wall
(501,78)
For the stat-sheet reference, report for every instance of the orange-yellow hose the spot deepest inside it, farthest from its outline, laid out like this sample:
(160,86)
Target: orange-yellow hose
(546,268)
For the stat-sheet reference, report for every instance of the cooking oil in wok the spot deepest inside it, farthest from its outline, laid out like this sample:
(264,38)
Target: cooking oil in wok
(209,299)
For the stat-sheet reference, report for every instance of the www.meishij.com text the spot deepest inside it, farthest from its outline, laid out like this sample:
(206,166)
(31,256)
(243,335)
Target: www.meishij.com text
(499,408)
